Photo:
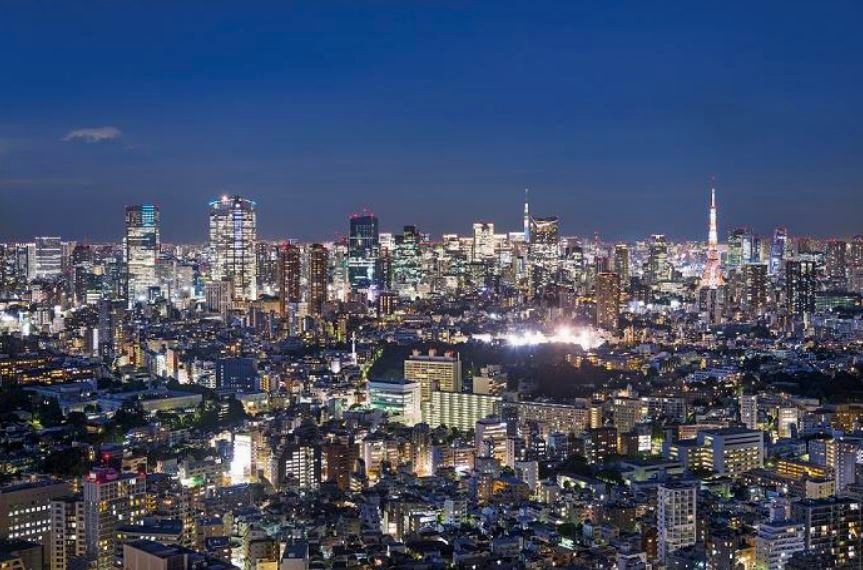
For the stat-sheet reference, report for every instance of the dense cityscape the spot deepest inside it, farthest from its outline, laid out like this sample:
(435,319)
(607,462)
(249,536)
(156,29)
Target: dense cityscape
(492,399)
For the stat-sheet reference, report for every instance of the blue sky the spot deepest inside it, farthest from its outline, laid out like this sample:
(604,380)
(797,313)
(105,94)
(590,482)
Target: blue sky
(434,113)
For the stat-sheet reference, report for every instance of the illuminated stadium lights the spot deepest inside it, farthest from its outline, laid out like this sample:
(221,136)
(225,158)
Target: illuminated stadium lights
(584,337)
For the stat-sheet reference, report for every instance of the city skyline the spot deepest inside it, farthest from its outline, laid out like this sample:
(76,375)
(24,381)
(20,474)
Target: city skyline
(438,116)
(722,234)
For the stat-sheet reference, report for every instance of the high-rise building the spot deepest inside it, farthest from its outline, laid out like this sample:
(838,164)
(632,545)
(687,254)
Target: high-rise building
(318,278)
(483,241)
(289,276)
(111,499)
(434,372)
(233,231)
(47,257)
(607,301)
(363,250)
(748,404)
(835,263)
(621,264)
(755,289)
(544,252)
(406,261)
(676,517)
(141,251)
(658,267)
(68,542)
(799,286)
(855,252)
(302,466)
(778,250)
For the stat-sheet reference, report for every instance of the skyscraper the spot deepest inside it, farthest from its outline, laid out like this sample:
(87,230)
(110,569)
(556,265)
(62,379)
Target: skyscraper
(233,231)
(289,276)
(835,261)
(755,288)
(621,264)
(363,250)
(483,241)
(48,257)
(777,251)
(141,251)
(658,268)
(526,218)
(712,275)
(318,259)
(799,286)
(607,301)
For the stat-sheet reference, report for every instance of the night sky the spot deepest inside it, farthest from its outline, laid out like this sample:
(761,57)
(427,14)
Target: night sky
(434,113)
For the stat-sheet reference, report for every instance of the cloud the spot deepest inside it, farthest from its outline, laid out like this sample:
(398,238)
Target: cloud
(94,135)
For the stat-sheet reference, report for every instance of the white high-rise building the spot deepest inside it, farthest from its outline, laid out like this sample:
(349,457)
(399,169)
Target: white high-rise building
(748,404)
(233,232)
(48,253)
(141,251)
(675,517)
(483,241)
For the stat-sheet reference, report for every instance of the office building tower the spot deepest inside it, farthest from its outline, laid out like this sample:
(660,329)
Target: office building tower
(483,241)
(711,277)
(141,251)
(621,264)
(676,512)
(742,248)
(778,249)
(754,300)
(748,404)
(267,266)
(233,232)
(526,218)
(835,264)
(111,499)
(854,257)
(658,267)
(47,257)
(406,262)
(434,372)
(25,510)
(799,286)
(318,278)
(363,250)
(289,277)
(543,253)
(607,301)
(68,542)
